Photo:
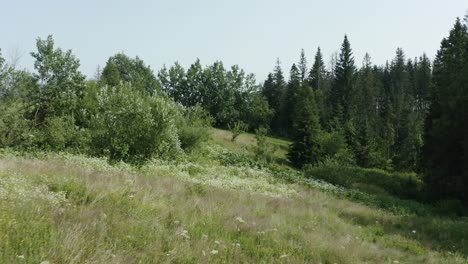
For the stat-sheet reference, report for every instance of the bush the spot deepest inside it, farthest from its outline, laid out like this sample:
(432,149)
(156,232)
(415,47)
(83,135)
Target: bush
(238,128)
(15,130)
(193,127)
(264,152)
(60,133)
(334,148)
(134,127)
(405,185)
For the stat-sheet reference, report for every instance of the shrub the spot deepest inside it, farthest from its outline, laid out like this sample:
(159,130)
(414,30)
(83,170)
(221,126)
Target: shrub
(334,148)
(238,128)
(134,127)
(193,127)
(15,130)
(264,152)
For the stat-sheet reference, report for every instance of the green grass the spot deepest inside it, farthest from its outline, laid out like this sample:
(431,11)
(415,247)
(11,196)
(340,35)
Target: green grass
(247,142)
(72,209)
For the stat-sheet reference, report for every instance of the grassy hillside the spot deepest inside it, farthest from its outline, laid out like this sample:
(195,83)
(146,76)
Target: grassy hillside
(72,209)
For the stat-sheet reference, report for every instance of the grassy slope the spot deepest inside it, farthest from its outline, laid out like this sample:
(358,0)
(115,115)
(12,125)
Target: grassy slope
(73,209)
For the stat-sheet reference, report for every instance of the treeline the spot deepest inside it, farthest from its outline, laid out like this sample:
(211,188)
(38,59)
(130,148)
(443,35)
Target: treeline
(407,115)
(370,115)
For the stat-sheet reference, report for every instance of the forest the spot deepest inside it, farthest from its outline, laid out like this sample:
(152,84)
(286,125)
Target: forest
(399,128)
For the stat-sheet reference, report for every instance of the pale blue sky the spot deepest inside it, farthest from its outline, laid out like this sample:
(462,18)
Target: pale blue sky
(250,33)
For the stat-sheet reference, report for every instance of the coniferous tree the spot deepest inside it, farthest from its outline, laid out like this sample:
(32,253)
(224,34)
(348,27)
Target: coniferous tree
(302,65)
(445,150)
(318,73)
(305,148)
(273,90)
(343,82)
(290,100)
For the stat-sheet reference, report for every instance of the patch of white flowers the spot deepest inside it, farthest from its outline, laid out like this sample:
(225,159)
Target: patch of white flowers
(17,187)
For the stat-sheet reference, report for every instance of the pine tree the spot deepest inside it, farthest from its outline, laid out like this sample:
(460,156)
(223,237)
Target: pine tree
(445,149)
(303,65)
(305,148)
(274,91)
(318,73)
(343,81)
(290,100)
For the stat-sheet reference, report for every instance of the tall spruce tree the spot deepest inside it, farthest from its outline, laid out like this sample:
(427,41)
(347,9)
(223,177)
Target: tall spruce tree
(302,65)
(274,90)
(445,150)
(318,72)
(305,148)
(290,100)
(343,82)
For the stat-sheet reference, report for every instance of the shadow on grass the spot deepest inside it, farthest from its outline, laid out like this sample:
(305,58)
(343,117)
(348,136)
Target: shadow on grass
(440,233)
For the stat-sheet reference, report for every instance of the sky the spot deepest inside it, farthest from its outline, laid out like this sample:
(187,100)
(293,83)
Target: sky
(249,33)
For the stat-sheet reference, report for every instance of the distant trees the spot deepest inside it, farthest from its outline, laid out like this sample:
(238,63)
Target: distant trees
(228,95)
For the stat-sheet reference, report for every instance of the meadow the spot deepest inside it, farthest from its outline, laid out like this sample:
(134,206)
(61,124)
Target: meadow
(214,205)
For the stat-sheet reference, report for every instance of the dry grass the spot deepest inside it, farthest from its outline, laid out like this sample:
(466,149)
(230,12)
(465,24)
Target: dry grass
(80,210)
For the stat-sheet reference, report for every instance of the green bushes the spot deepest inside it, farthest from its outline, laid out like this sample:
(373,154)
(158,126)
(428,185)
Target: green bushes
(404,185)
(134,127)
(14,128)
(193,127)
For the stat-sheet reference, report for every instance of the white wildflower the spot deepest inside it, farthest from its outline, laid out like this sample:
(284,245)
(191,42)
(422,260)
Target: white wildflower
(240,220)
(414,231)
(284,256)
(45,262)
(214,252)
(21,256)
(217,242)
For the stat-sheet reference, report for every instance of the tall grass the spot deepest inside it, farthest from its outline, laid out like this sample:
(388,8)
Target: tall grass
(73,209)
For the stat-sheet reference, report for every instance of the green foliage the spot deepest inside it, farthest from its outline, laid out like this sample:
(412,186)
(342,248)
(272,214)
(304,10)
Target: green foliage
(134,127)
(445,150)
(404,185)
(59,83)
(120,68)
(306,147)
(256,112)
(264,151)
(193,129)
(237,129)
(334,148)
(15,129)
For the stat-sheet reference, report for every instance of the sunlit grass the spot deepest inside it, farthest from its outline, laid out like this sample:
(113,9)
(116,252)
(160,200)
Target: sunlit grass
(73,209)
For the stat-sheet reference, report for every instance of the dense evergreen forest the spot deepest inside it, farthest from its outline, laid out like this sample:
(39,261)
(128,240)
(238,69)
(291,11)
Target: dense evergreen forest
(407,115)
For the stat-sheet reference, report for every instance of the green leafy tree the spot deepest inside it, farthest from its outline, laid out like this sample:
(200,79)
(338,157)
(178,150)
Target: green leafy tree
(132,126)
(60,84)
(120,68)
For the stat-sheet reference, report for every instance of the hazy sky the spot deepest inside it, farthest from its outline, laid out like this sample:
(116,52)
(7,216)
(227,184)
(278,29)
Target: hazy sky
(250,33)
